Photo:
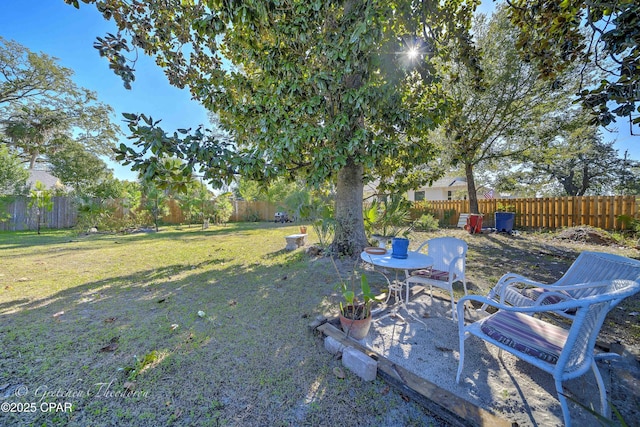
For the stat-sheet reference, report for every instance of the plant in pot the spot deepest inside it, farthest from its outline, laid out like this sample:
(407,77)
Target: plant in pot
(355,310)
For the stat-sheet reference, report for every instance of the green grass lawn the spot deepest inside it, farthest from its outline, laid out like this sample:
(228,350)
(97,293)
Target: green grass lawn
(109,326)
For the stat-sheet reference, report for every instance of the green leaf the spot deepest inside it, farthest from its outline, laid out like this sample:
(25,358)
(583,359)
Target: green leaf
(130,116)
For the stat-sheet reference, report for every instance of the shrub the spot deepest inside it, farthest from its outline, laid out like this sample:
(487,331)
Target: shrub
(426,222)
(252,215)
(222,210)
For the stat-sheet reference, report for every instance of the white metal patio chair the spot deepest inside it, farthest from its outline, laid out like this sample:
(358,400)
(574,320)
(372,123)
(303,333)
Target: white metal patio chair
(449,255)
(517,290)
(563,353)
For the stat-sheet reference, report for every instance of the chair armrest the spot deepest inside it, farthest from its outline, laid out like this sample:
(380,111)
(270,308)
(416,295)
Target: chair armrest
(511,279)
(555,307)
(563,292)
(583,285)
(562,296)
(564,305)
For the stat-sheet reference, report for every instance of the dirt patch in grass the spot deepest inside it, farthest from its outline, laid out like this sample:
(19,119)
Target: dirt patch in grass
(585,234)
(192,327)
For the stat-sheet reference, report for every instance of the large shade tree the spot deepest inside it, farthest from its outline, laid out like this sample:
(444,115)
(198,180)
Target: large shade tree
(556,35)
(78,168)
(13,177)
(28,75)
(33,131)
(495,123)
(576,161)
(41,107)
(317,89)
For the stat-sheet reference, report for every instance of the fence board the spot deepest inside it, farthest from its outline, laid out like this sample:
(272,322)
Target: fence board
(533,213)
(549,212)
(243,210)
(63,214)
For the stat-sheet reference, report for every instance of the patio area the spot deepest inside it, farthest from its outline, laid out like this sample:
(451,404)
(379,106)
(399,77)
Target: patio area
(422,339)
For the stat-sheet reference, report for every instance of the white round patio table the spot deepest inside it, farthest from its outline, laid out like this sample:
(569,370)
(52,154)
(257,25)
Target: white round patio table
(413,261)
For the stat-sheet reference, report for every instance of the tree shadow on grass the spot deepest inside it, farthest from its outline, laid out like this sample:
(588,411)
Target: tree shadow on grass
(508,256)
(249,350)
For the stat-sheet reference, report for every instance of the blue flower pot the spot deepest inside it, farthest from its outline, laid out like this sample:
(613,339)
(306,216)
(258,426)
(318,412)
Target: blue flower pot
(400,247)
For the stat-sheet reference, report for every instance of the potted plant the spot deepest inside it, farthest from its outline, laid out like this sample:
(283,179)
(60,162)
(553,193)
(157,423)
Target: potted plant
(355,310)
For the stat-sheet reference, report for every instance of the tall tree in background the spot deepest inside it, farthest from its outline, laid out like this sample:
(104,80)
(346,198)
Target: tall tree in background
(249,190)
(315,89)
(494,123)
(34,131)
(553,40)
(27,75)
(41,107)
(629,176)
(577,160)
(13,177)
(154,200)
(78,168)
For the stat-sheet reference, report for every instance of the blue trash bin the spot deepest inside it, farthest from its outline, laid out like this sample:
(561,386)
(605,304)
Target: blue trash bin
(504,221)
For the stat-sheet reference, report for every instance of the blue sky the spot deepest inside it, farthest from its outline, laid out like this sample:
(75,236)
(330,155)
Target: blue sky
(60,30)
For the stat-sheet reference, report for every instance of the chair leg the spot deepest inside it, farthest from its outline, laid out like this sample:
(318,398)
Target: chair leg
(563,404)
(461,361)
(408,285)
(454,313)
(603,392)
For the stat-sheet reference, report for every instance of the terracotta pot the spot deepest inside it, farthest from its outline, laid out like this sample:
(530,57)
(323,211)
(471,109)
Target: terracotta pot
(303,229)
(357,329)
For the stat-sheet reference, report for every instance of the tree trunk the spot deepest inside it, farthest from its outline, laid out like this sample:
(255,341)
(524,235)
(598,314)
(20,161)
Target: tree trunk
(156,213)
(349,238)
(32,160)
(471,189)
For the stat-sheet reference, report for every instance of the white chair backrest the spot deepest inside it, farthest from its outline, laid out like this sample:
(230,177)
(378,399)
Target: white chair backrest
(591,312)
(443,250)
(598,266)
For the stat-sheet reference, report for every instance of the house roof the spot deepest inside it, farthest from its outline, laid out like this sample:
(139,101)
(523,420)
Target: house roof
(448,181)
(50,182)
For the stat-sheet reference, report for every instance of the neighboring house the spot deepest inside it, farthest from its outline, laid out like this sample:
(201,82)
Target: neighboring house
(50,182)
(447,188)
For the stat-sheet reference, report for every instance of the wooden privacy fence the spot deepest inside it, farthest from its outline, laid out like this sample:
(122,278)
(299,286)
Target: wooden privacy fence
(64,214)
(253,211)
(546,212)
